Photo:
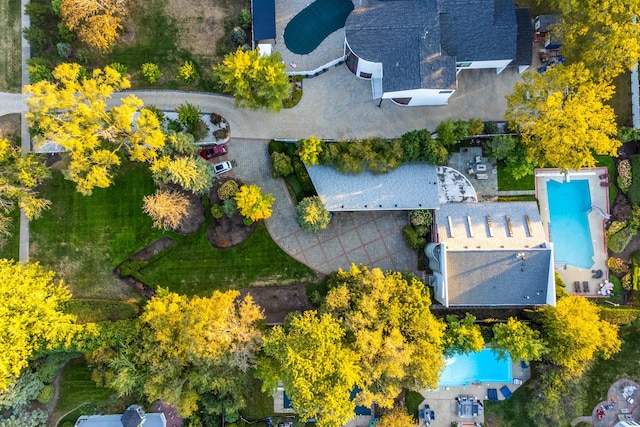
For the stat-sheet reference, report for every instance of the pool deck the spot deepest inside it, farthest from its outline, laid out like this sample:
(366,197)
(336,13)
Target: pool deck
(599,197)
(443,400)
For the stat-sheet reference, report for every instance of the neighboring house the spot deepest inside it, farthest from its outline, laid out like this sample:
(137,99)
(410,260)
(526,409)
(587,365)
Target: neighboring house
(545,31)
(491,254)
(412,50)
(134,416)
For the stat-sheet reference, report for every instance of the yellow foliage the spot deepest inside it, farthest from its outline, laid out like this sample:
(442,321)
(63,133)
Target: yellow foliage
(253,204)
(166,208)
(97,22)
(309,149)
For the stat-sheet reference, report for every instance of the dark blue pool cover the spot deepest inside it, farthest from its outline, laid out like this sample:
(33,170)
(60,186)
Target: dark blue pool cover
(263,13)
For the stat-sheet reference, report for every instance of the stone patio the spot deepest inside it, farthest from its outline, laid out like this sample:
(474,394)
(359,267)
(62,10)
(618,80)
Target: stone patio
(466,162)
(623,401)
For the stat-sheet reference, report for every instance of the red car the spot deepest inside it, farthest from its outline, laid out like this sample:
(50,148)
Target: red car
(211,152)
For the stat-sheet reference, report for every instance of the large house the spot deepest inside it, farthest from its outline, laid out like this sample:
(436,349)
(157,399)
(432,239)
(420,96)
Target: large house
(491,254)
(412,50)
(134,416)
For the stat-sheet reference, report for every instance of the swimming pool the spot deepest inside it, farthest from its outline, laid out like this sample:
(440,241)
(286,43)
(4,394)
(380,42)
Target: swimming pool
(569,203)
(315,23)
(481,367)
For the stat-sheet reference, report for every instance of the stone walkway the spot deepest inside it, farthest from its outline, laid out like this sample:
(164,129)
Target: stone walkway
(370,238)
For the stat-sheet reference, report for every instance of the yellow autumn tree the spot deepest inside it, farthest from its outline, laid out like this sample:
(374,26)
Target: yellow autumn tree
(563,118)
(253,204)
(166,208)
(603,35)
(309,149)
(256,81)
(72,112)
(97,22)
(31,318)
(390,327)
(312,215)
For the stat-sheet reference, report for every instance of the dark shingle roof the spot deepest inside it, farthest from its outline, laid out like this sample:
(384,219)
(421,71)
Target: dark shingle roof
(263,13)
(133,416)
(524,41)
(497,277)
(479,30)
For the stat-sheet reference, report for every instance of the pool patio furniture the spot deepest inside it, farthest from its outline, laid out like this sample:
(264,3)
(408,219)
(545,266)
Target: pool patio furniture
(603,176)
(585,287)
(597,274)
(524,365)
(506,392)
(605,184)
(576,286)
(492,394)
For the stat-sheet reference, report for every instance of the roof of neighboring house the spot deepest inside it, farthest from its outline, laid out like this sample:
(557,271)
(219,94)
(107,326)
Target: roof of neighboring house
(543,22)
(410,186)
(479,30)
(524,47)
(128,419)
(133,416)
(263,14)
(486,225)
(498,277)
(404,36)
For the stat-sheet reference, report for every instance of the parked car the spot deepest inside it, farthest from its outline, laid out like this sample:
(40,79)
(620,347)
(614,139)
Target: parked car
(215,151)
(222,167)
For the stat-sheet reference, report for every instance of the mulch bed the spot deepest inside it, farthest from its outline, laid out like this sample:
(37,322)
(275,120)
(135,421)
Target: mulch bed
(227,232)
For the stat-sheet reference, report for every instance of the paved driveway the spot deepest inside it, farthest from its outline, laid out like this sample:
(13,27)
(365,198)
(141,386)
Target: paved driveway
(370,238)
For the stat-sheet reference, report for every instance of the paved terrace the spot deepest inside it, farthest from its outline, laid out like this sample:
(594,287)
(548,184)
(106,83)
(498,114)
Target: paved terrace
(599,197)
(626,394)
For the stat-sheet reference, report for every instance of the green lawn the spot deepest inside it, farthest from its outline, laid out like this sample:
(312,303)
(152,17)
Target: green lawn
(10,46)
(621,100)
(85,238)
(101,310)
(607,161)
(10,248)
(510,413)
(77,388)
(506,182)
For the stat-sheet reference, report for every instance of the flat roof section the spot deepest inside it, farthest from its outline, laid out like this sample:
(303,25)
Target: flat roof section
(498,277)
(263,13)
(411,186)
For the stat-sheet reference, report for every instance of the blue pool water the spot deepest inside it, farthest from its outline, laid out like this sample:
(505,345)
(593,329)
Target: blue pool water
(569,203)
(481,367)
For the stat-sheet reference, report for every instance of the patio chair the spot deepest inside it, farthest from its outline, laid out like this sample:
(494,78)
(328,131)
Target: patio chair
(603,176)
(597,274)
(605,184)
(576,287)
(506,392)
(585,287)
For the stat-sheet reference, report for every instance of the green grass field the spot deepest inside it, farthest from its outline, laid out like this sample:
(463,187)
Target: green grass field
(506,182)
(77,388)
(10,46)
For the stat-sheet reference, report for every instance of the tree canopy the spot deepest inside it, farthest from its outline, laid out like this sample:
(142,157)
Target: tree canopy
(563,118)
(31,318)
(187,350)
(312,215)
(389,326)
(256,81)
(603,35)
(318,371)
(97,22)
(575,334)
(517,339)
(19,177)
(72,112)
(253,204)
(463,336)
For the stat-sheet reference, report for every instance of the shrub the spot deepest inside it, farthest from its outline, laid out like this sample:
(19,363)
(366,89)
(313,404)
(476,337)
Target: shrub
(413,239)
(614,227)
(619,315)
(39,72)
(624,175)
(174,125)
(220,134)
(490,128)
(476,127)
(120,68)
(294,99)
(244,18)
(634,189)
(230,207)
(252,204)
(501,146)
(309,149)
(187,72)
(151,72)
(303,175)
(216,119)
(199,130)
(228,189)
(634,218)
(64,49)
(156,112)
(312,215)
(617,266)
(447,133)
(420,217)
(39,13)
(217,211)
(37,39)
(188,114)
(46,394)
(85,55)
(461,129)
(238,36)
(627,282)
(64,33)
(281,165)
(619,241)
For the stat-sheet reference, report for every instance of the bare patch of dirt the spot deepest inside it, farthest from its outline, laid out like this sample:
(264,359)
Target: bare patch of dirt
(10,126)
(195,216)
(278,301)
(202,22)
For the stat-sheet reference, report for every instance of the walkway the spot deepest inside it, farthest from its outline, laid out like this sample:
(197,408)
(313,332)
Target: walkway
(370,238)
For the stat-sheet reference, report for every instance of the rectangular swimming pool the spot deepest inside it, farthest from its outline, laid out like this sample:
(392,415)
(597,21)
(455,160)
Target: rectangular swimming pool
(481,367)
(569,204)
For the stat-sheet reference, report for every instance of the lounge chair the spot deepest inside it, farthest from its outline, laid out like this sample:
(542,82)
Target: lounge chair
(585,287)
(605,184)
(421,414)
(576,287)
(597,274)
(604,175)
(506,392)
(492,394)
(523,364)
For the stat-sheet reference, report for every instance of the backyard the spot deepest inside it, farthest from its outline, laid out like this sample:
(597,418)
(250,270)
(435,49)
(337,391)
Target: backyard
(10,46)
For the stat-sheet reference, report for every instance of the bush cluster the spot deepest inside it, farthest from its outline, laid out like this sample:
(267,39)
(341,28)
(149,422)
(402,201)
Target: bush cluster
(187,72)
(228,189)
(624,175)
(634,189)
(151,72)
(353,157)
(614,227)
(617,266)
(619,241)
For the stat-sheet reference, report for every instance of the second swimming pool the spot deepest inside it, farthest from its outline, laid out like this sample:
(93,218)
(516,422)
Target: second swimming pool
(569,204)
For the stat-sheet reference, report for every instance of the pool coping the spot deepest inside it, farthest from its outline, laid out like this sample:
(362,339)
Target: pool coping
(597,225)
